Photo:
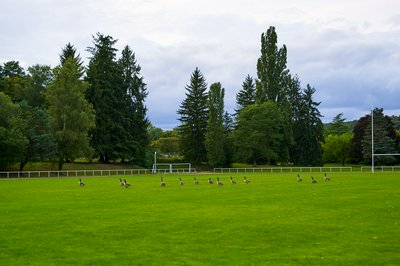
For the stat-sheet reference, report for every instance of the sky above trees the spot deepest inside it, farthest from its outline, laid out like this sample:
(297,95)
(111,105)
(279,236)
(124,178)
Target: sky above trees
(348,50)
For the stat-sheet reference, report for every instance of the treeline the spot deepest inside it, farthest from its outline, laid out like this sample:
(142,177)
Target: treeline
(74,111)
(276,120)
(98,112)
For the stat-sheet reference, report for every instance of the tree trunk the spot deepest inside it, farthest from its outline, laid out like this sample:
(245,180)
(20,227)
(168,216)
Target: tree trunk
(60,163)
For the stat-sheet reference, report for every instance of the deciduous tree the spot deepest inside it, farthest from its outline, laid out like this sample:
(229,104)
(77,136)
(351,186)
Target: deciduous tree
(71,116)
(259,133)
(215,135)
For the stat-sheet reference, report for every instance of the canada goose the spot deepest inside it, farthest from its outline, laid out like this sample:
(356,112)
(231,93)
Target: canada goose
(313,180)
(210,181)
(326,178)
(246,180)
(299,179)
(233,181)
(162,182)
(126,184)
(180,182)
(196,182)
(121,182)
(219,182)
(81,183)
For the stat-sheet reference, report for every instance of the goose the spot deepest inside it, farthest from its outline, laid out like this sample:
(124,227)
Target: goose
(180,182)
(326,178)
(162,182)
(81,183)
(210,181)
(233,181)
(126,184)
(313,180)
(196,182)
(121,182)
(219,182)
(299,179)
(246,180)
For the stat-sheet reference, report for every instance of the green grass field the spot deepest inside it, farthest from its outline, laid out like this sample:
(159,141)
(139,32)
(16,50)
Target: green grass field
(354,219)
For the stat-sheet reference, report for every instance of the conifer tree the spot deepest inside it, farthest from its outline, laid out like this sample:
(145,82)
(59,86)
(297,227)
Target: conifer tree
(308,131)
(107,95)
(136,123)
(246,95)
(193,113)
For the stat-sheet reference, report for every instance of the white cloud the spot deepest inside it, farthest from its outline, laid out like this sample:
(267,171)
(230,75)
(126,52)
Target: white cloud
(347,50)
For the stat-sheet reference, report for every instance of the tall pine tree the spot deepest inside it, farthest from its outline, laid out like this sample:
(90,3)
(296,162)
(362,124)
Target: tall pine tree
(308,132)
(107,95)
(136,122)
(247,95)
(193,113)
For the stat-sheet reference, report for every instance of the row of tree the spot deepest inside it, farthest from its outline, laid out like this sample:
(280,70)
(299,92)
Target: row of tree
(342,144)
(98,111)
(275,120)
(72,111)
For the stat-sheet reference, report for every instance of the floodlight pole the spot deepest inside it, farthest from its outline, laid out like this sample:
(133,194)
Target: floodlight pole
(372,141)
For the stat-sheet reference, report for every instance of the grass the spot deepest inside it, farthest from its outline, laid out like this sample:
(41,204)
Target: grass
(351,220)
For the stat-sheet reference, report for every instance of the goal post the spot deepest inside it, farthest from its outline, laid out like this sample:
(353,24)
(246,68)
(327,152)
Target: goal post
(172,167)
(373,154)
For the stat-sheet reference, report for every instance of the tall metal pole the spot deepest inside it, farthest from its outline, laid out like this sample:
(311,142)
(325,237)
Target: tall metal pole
(155,162)
(372,141)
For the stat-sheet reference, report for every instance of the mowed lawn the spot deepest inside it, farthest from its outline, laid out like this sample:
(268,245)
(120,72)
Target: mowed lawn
(354,219)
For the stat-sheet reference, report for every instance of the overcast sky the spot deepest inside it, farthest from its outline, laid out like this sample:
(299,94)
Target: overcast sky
(349,50)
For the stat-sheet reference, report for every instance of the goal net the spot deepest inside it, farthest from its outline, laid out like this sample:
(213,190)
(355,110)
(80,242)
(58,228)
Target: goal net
(173,168)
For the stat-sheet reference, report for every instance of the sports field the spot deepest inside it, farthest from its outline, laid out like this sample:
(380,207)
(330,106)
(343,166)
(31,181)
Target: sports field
(353,219)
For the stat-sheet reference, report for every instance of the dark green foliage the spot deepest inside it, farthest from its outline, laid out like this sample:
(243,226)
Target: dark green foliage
(37,81)
(259,133)
(396,121)
(13,143)
(135,139)
(385,138)
(355,150)
(308,132)
(271,69)
(247,95)
(117,92)
(107,95)
(215,135)
(12,79)
(193,113)
(42,144)
(338,126)
(70,52)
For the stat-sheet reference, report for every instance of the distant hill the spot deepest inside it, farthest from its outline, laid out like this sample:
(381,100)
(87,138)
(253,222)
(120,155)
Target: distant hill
(351,124)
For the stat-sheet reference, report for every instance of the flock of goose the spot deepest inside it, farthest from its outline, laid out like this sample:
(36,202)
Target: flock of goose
(313,180)
(124,183)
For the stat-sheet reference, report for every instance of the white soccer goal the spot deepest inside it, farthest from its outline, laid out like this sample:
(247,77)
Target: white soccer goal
(173,168)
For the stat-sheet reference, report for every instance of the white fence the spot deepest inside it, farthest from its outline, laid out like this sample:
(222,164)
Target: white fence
(85,173)
(381,169)
(284,170)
